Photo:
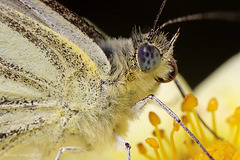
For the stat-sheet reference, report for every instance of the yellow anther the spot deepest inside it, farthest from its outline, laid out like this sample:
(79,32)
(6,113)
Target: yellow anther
(212,105)
(152,142)
(143,151)
(185,119)
(176,126)
(141,148)
(154,133)
(189,103)
(161,131)
(154,119)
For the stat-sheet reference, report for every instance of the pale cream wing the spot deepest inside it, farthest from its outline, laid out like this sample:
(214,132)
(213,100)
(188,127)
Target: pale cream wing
(66,23)
(41,73)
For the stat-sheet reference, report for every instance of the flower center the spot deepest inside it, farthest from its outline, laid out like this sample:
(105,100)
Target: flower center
(219,149)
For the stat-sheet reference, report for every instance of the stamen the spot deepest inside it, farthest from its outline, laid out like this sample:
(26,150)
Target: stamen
(212,107)
(153,143)
(188,105)
(143,151)
(186,122)
(176,127)
(188,145)
(204,139)
(162,134)
(141,148)
(155,121)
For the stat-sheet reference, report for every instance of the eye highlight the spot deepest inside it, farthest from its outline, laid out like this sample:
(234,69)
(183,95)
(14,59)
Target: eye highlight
(148,57)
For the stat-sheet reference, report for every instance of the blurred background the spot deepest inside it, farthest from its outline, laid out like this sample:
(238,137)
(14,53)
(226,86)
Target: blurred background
(202,45)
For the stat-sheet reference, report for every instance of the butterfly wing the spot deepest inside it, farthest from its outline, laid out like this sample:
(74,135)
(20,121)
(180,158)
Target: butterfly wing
(40,73)
(68,24)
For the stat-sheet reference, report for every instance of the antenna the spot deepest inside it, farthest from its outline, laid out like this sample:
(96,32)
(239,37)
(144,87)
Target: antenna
(158,15)
(225,16)
(155,21)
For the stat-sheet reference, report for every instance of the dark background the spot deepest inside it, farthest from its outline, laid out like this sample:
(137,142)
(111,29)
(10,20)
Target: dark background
(202,45)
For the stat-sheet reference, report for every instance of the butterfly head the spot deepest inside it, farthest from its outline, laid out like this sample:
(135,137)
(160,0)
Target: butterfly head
(154,54)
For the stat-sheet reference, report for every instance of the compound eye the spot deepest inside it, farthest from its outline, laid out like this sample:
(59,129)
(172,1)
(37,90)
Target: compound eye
(148,58)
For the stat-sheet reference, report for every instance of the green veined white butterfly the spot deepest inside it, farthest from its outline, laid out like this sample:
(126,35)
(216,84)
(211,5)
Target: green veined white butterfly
(52,87)
(49,84)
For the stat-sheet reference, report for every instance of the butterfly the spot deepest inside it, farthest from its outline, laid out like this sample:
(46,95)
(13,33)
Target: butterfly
(61,76)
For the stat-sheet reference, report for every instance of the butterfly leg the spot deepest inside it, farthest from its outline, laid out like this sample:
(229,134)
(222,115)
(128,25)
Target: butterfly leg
(123,142)
(71,148)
